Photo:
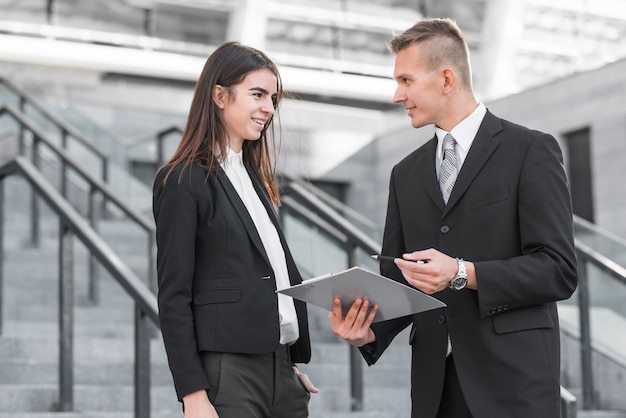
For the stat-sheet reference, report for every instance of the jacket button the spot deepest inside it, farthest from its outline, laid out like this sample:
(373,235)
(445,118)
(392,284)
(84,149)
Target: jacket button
(444,229)
(493,310)
(441,319)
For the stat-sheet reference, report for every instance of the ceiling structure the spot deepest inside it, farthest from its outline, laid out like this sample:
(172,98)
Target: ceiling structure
(332,54)
(325,46)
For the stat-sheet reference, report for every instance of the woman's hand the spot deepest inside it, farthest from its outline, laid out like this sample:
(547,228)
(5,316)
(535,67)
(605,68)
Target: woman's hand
(305,381)
(197,405)
(355,327)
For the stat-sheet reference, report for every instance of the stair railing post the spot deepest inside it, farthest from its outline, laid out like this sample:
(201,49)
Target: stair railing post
(105,180)
(356,368)
(64,186)
(66,318)
(93,215)
(160,150)
(585,333)
(152,281)
(22,145)
(34,201)
(1,252)
(142,364)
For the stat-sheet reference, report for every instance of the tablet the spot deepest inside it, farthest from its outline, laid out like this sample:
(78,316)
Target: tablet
(394,299)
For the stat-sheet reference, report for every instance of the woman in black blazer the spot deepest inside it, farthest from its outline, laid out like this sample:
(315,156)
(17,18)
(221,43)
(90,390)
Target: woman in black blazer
(231,341)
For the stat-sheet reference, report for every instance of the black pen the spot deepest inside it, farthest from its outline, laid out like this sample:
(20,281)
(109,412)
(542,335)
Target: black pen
(389,258)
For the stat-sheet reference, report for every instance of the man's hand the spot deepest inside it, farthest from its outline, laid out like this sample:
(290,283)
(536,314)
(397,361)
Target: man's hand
(435,274)
(355,327)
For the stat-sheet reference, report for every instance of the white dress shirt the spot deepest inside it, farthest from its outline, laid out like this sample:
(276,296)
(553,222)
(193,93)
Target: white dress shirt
(239,177)
(464,133)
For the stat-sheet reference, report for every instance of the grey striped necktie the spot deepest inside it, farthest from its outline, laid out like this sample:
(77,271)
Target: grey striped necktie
(447,177)
(448,171)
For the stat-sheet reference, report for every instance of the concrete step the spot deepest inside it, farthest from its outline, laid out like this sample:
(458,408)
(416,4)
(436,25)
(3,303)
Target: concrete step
(157,414)
(399,352)
(49,328)
(331,375)
(329,366)
(97,350)
(601,414)
(92,398)
(29,372)
(313,414)
(25,358)
(378,402)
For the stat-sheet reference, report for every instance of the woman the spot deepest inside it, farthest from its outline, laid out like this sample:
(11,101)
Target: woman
(231,341)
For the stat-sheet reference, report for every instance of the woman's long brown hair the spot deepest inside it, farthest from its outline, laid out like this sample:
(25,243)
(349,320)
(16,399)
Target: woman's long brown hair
(205,137)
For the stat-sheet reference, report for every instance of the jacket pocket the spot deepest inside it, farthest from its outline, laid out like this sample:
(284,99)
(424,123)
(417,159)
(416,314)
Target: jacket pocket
(217,296)
(522,319)
(490,196)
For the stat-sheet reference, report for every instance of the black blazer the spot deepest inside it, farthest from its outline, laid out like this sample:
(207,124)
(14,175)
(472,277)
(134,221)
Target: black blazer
(216,284)
(510,214)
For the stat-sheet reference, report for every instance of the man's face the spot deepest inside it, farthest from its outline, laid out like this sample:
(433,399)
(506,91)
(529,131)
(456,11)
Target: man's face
(419,90)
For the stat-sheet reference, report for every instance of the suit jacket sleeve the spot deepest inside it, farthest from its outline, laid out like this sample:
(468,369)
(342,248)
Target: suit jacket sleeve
(545,269)
(176,210)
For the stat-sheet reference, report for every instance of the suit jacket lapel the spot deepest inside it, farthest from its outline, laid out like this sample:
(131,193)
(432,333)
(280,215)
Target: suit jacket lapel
(294,274)
(241,210)
(482,147)
(428,172)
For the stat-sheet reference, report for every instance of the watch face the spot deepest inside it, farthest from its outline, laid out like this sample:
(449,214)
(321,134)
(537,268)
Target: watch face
(458,283)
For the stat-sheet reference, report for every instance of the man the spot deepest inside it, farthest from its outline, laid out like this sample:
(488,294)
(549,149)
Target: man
(486,205)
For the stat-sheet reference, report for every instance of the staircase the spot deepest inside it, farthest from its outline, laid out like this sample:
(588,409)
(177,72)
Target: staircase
(103,351)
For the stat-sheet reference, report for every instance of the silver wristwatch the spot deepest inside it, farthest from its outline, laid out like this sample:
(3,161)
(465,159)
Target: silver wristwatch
(460,280)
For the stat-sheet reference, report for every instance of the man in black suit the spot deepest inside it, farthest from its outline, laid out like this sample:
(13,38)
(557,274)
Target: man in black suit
(486,204)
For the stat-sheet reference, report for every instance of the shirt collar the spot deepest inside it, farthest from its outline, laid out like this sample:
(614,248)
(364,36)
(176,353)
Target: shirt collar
(234,158)
(465,131)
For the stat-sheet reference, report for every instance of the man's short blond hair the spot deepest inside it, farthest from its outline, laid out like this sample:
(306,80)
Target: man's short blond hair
(444,42)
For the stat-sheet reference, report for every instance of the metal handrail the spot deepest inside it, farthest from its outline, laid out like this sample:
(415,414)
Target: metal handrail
(589,226)
(66,129)
(73,224)
(96,186)
(158,138)
(568,404)
(354,240)
(333,202)
(357,237)
(587,255)
(160,142)
(616,271)
(150,138)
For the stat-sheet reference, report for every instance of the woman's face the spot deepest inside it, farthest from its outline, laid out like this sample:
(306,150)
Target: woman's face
(248,107)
